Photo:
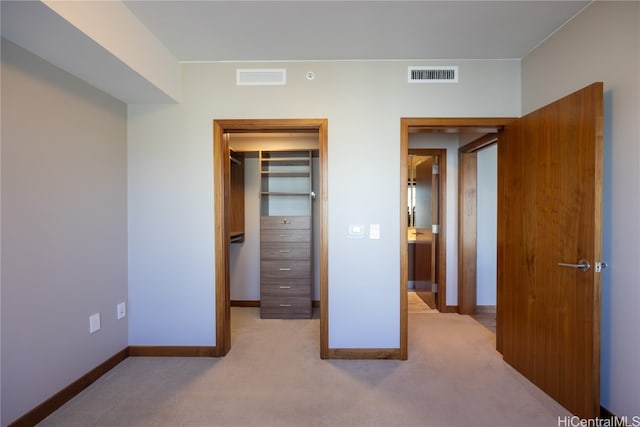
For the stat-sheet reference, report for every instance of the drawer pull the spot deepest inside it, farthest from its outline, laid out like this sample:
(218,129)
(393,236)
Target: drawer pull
(285,269)
(285,305)
(285,287)
(284,235)
(285,221)
(284,251)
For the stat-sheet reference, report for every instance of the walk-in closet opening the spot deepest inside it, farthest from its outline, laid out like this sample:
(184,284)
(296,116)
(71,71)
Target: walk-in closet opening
(270,206)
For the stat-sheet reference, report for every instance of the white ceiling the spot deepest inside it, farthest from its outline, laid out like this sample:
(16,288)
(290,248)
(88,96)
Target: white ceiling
(132,49)
(343,30)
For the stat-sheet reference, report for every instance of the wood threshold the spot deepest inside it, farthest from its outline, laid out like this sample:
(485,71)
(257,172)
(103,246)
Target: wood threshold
(50,405)
(364,353)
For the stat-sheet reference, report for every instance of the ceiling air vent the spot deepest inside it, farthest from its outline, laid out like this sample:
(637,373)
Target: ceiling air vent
(261,77)
(433,74)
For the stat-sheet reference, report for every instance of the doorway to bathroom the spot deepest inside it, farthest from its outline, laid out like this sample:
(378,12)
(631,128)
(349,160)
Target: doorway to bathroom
(423,228)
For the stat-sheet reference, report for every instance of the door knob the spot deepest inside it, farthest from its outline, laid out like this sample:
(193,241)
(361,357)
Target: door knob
(582,265)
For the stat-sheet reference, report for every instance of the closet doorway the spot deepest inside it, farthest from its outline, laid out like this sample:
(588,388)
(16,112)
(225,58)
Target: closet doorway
(222,215)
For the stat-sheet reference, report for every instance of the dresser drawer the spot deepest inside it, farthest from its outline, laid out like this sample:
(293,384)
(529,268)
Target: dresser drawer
(285,308)
(286,288)
(270,250)
(283,269)
(274,235)
(285,223)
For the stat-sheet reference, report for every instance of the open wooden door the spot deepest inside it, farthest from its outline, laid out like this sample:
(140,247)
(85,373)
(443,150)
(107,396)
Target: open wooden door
(549,213)
(423,218)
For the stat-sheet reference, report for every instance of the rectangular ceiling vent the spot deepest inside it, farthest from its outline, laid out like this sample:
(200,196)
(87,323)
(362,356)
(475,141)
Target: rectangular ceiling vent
(424,74)
(261,77)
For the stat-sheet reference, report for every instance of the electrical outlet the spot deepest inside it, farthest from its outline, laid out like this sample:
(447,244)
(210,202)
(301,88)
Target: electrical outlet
(121,310)
(94,323)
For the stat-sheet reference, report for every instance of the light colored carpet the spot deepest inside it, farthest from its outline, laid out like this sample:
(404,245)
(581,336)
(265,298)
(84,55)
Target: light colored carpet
(273,376)
(415,304)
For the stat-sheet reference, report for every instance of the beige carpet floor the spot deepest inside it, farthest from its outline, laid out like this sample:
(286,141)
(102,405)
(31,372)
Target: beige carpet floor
(416,304)
(273,376)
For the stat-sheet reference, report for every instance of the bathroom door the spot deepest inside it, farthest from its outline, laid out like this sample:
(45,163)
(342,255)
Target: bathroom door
(426,202)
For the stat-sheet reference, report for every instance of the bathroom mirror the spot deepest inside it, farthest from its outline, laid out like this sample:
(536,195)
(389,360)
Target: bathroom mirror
(419,197)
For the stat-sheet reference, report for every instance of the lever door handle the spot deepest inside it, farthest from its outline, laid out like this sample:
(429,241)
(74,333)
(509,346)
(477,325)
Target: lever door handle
(582,265)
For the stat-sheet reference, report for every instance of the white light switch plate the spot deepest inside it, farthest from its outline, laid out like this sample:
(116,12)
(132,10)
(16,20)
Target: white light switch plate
(94,323)
(122,310)
(374,231)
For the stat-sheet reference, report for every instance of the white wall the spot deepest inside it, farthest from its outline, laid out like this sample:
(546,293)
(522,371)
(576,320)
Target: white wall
(603,44)
(171,280)
(64,241)
(487,209)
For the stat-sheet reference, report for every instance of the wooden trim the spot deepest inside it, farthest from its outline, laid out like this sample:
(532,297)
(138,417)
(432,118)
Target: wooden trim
(615,420)
(441,279)
(365,353)
(442,238)
(421,124)
(467,231)
(221,190)
(244,303)
(221,187)
(449,309)
(404,250)
(485,309)
(323,139)
(172,351)
(480,143)
(467,220)
(50,405)
(418,124)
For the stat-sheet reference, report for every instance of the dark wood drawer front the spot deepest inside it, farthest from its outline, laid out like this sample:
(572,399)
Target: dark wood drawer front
(269,250)
(283,269)
(286,288)
(283,308)
(272,235)
(285,223)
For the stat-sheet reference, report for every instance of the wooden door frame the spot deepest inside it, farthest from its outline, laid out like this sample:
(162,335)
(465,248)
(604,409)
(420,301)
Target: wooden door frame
(221,191)
(412,125)
(468,220)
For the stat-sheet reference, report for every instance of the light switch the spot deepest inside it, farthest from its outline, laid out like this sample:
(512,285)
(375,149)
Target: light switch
(94,323)
(121,310)
(374,231)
